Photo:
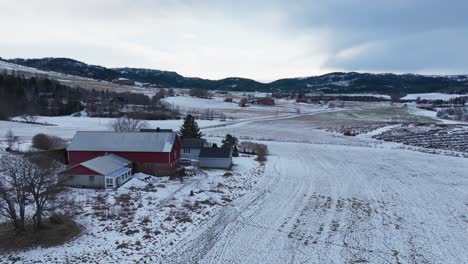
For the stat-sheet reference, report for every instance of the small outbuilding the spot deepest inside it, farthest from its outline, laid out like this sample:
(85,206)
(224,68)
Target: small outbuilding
(191,147)
(108,171)
(216,158)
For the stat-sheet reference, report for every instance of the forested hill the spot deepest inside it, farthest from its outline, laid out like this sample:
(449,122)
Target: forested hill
(338,82)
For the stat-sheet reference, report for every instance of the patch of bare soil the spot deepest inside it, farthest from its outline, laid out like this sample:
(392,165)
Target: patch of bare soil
(51,235)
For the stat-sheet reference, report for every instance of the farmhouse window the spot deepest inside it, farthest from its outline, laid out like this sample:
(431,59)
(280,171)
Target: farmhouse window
(91,178)
(109,182)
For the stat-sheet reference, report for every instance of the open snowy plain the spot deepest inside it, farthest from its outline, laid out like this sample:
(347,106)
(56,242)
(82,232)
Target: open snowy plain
(321,197)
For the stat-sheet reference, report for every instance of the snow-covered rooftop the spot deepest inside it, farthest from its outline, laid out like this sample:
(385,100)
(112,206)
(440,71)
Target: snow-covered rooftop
(107,164)
(112,141)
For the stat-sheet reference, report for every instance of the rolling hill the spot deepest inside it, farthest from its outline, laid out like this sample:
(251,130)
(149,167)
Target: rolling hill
(337,82)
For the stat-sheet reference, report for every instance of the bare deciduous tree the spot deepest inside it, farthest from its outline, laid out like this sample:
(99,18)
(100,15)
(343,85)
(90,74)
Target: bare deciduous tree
(28,181)
(13,190)
(127,124)
(11,139)
(44,186)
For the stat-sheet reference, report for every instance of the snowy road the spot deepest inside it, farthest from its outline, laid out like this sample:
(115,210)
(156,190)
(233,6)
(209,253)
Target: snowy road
(321,203)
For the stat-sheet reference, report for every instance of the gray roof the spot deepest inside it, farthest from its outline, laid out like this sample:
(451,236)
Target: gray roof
(157,130)
(131,141)
(194,143)
(218,153)
(106,164)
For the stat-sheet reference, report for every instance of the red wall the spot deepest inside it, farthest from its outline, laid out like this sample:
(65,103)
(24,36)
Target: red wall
(175,152)
(81,170)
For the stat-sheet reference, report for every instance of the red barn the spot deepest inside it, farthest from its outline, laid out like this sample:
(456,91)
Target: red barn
(151,153)
(264,101)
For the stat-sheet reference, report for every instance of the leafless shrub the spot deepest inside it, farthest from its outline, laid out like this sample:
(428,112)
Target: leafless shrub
(182,217)
(57,218)
(127,124)
(226,199)
(202,93)
(208,202)
(455,113)
(29,118)
(261,150)
(123,199)
(243,102)
(47,142)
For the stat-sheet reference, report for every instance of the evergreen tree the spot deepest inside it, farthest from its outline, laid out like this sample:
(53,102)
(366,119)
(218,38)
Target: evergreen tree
(231,142)
(190,128)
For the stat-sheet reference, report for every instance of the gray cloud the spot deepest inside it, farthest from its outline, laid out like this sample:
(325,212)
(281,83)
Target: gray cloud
(257,39)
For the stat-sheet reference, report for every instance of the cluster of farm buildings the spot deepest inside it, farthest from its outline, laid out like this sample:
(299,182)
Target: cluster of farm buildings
(101,159)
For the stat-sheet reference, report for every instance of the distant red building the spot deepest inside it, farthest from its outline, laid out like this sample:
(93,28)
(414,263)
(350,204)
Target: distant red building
(123,81)
(423,101)
(264,101)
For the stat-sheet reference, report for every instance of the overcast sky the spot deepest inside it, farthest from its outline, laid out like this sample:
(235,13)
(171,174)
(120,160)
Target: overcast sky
(263,40)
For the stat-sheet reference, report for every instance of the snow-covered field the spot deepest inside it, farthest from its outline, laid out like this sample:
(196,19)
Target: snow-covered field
(66,126)
(431,96)
(200,103)
(343,204)
(320,198)
(253,111)
(217,103)
(334,199)
(356,94)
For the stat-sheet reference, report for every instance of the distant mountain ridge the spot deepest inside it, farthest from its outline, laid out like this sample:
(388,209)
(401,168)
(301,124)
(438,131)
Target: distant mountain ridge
(337,82)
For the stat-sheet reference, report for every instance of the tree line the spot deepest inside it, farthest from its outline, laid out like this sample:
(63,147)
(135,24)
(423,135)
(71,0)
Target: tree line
(20,95)
(40,96)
